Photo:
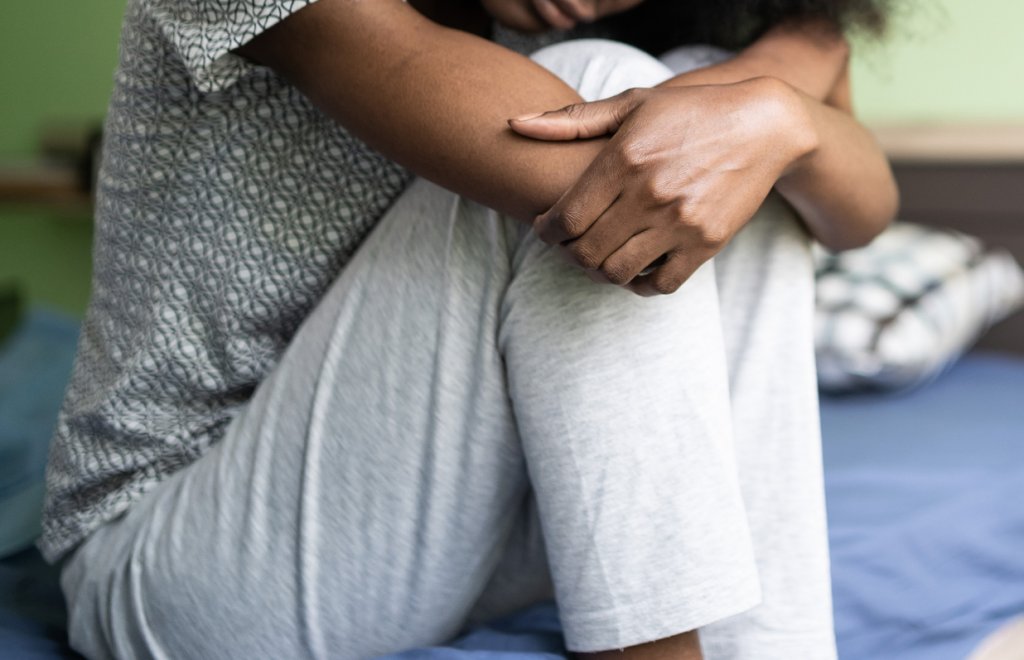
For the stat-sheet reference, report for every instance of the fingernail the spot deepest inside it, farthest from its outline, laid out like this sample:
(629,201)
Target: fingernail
(527,117)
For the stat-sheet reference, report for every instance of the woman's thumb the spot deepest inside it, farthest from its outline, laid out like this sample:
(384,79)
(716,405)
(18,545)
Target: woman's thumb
(577,121)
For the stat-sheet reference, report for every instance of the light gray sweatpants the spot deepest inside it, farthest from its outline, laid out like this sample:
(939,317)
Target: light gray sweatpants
(463,400)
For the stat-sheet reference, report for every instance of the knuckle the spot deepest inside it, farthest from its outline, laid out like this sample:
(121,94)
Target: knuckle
(634,157)
(584,255)
(713,237)
(665,288)
(709,235)
(682,214)
(665,284)
(564,225)
(632,95)
(546,230)
(575,110)
(618,273)
(571,224)
(658,192)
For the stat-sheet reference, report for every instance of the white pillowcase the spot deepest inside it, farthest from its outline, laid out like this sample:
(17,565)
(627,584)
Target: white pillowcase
(899,311)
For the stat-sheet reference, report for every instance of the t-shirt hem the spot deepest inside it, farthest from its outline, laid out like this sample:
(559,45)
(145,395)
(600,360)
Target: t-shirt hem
(63,534)
(206,49)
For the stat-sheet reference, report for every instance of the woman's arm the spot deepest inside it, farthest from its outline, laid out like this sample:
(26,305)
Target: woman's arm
(844,189)
(810,55)
(689,166)
(433,99)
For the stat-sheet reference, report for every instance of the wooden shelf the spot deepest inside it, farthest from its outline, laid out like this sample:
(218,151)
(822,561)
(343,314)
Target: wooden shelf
(956,143)
(42,183)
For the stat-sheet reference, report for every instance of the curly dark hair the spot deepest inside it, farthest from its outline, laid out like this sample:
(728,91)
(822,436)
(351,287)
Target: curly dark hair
(657,25)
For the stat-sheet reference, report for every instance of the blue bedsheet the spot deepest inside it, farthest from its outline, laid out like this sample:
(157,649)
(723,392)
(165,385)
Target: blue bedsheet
(927,527)
(926,514)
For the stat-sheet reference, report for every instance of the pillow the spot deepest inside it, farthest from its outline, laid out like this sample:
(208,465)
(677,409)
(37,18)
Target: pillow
(896,313)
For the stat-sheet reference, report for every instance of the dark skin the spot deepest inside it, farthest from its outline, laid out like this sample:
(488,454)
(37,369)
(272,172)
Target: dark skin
(437,100)
(678,193)
(675,170)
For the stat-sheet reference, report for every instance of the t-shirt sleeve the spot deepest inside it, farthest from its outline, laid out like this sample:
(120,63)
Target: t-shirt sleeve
(204,32)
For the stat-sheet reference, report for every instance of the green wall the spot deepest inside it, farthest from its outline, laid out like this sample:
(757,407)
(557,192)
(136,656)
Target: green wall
(945,60)
(57,60)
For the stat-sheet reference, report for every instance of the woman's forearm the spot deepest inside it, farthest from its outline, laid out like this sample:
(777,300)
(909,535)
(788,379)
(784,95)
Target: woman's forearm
(810,55)
(436,100)
(433,99)
(843,189)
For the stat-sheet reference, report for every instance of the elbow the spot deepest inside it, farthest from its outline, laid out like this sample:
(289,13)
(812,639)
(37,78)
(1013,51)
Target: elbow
(874,218)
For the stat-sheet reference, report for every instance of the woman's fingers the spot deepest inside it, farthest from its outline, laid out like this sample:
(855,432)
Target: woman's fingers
(639,263)
(579,120)
(581,205)
(599,186)
(627,263)
(606,235)
(666,279)
(686,168)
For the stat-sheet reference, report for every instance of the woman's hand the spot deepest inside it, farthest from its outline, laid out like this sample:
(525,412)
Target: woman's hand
(686,169)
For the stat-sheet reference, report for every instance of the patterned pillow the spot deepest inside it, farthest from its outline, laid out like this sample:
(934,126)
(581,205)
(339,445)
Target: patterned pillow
(899,311)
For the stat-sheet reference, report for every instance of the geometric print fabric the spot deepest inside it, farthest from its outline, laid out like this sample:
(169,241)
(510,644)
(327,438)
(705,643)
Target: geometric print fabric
(226,205)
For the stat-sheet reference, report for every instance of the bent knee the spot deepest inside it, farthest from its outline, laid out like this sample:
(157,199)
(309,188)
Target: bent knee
(695,56)
(599,68)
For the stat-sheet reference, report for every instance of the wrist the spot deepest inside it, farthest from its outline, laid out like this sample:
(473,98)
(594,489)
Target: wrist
(794,137)
(810,55)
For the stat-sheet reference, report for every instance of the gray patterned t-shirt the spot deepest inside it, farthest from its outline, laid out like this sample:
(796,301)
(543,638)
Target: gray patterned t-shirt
(226,205)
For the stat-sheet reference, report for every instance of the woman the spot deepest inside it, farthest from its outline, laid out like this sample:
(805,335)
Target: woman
(259,456)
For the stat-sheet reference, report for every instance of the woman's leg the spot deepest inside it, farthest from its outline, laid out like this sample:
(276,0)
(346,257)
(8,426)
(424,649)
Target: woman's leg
(766,292)
(641,434)
(361,501)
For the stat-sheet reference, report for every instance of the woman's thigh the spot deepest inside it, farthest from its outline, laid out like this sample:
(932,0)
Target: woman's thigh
(362,500)
(359,502)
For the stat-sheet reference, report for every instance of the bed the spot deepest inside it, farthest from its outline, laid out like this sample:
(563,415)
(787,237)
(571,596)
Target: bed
(923,486)
(923,490)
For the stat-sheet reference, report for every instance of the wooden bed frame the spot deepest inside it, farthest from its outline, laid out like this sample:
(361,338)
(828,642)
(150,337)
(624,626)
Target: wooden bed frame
(969,178)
